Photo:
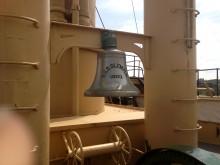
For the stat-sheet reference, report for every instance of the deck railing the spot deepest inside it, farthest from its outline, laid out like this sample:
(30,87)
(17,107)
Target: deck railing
(205,80)
(209,77)
(134,66)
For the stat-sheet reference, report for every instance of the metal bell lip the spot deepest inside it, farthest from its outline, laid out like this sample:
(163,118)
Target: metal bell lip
(111,77)
(108,93)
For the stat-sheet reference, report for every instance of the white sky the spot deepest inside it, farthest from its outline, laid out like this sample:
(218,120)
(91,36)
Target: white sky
(118,15)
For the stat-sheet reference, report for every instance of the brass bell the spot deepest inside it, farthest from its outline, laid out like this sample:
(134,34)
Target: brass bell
(111,77)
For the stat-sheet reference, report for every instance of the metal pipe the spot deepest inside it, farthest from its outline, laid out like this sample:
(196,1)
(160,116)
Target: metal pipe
(187,40)
(207,69)
(189,27)
(100,149)
(34,64)
(138,69)
(92,12)
(119,143)
(33,108)
(174,99)
(75,11)
(183,69)
(57,10)
(75,65)
(177,129)
(84,12)
(134,67)
(35,22)
(186,9)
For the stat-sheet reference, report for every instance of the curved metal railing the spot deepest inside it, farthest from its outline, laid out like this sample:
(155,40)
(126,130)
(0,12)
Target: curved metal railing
(134,66)
(135,69)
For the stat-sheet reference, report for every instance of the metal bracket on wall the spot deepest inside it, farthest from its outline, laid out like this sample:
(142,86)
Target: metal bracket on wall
(35,149)
(34,64)
(183,69)
(174,99)
(186,39)
(35,22)
(65,36)
(177,129)
(190,12)
(33,108)
(186,9)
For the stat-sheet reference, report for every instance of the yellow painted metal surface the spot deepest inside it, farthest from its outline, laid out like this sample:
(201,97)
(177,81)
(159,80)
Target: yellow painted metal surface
(26,89)
(170,97)
(26,74)
(98,128)
(57,10)
(75,69)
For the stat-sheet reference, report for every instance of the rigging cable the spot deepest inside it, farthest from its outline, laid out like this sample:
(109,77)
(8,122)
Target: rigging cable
(134,15)
(100,17)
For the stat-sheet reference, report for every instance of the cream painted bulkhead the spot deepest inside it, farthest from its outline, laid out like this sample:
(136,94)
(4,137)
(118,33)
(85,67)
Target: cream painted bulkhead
(170,83)
(24,68)
(75,71)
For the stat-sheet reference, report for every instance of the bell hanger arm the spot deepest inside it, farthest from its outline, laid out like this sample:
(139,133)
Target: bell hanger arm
(65,36)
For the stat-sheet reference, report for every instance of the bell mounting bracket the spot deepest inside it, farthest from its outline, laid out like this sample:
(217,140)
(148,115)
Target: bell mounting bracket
(65,36)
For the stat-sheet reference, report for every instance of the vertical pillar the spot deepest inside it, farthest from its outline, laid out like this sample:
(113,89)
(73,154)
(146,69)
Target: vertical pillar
(87,64)
(76,70)
(92,12)
(83,64)
(26,88)
(84,14)
(57,10)
(170,83)
(75,56)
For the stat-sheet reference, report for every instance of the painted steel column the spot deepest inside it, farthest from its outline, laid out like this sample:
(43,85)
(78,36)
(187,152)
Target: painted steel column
(170,83)
(92,12)
(75,54)
(84,13)
(57,10)
(75,11)
(26,89)
(87,64)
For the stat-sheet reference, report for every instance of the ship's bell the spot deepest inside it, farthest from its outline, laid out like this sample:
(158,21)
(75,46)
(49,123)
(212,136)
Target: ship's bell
(111,77)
